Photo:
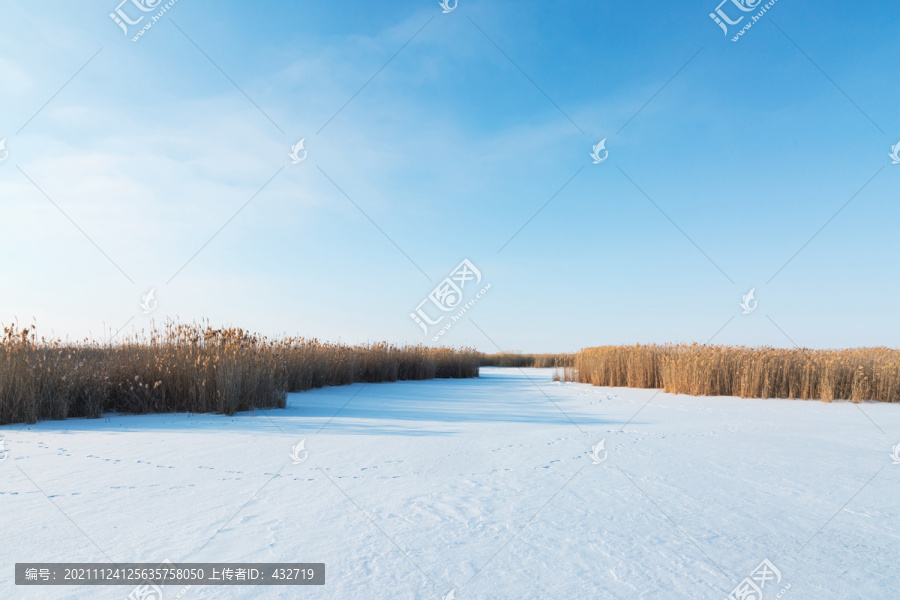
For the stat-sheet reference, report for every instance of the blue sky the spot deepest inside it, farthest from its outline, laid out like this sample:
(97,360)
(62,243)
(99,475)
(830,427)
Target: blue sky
(725,159)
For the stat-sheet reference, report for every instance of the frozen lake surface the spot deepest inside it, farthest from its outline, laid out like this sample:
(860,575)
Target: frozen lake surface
(487,488)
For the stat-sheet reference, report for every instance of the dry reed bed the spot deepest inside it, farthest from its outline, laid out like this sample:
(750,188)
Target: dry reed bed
(526,360)
(859,374)
(194,368)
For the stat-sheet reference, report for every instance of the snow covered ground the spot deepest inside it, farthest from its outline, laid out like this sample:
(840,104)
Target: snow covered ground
(486,487)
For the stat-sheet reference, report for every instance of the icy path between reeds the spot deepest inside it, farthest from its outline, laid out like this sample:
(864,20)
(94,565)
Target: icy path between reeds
(485,487)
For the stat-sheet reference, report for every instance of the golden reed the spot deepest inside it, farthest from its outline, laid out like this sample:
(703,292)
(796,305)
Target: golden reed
(193,368)
(526,360)
(858,374)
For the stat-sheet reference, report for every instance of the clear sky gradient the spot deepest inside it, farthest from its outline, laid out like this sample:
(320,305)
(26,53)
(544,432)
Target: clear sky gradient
(432,138)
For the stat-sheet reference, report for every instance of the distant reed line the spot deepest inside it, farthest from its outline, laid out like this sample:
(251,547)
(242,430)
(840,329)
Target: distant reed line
(526,360)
